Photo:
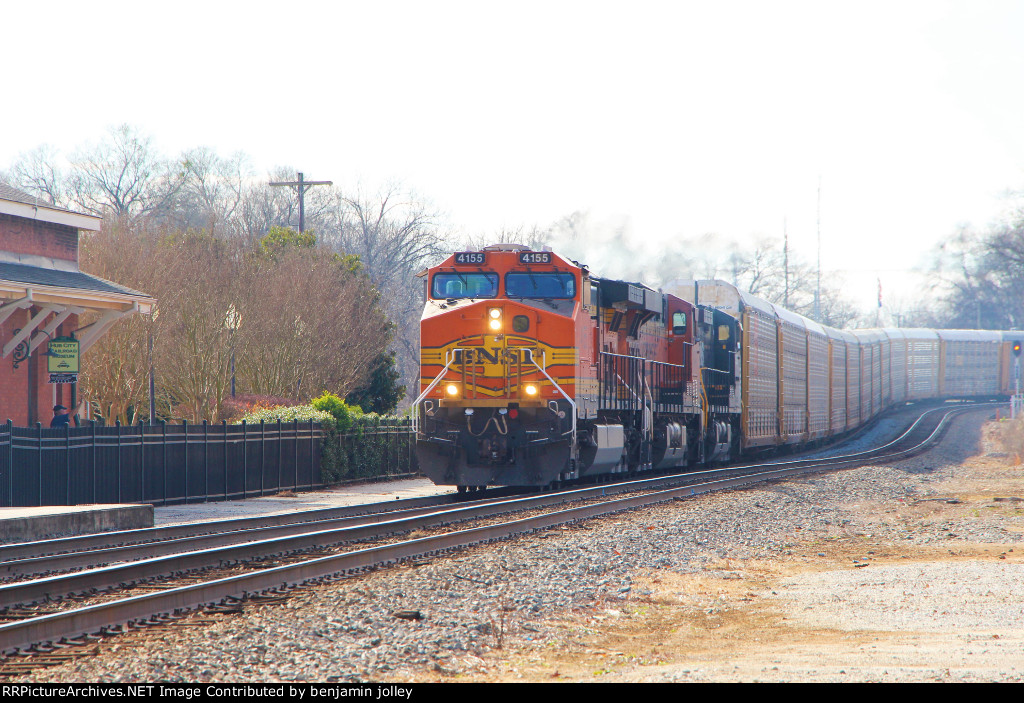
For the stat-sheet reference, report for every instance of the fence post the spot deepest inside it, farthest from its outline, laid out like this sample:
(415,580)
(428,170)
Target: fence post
(280,454)
(118,425)
(10,462)
(375,428)
(142,462)
(67,462)
(39,464)
(295,459)
(224,429)
(312,448)
(387,447)
(263,454)
(184,431)
(93,462)
(163,425)
(206,459)
(343,452)
(245,461)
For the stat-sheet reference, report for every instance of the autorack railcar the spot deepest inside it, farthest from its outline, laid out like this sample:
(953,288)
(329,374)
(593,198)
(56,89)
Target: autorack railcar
(536,371)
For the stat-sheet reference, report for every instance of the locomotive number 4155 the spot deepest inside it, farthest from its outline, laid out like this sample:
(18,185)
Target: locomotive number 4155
(470,257)
(535,257)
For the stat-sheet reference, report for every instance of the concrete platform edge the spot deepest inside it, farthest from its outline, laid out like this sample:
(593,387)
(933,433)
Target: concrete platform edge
(28,528)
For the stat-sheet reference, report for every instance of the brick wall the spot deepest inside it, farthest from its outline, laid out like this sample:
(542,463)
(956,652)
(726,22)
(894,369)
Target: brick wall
(14,382)
(24,236)
(16,402)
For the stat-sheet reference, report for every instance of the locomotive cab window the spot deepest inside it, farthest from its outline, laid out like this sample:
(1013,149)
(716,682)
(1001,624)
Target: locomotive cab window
(464,285)
(679,323)
(540,285)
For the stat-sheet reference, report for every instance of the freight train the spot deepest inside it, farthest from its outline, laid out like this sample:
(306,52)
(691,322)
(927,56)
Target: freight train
(534,371)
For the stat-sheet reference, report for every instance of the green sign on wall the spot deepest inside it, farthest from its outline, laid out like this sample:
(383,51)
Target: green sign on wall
(63,356)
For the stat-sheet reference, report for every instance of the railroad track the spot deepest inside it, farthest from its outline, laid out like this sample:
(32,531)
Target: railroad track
(61,632)
(48,556)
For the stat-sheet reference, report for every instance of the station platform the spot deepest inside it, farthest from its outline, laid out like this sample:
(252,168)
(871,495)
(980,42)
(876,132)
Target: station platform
(339,496)
(29,524)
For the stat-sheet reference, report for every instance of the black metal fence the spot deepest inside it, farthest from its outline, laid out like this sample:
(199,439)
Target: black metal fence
(160,464)
(370,448)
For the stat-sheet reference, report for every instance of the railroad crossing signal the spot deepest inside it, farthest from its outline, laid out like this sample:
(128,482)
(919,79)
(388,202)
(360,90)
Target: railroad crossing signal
(1015,402)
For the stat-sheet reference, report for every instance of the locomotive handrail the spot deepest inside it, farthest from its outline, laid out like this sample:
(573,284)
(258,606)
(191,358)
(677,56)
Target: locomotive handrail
(558,388)
(416,403)
(629,388)
(639,361)
(666,378)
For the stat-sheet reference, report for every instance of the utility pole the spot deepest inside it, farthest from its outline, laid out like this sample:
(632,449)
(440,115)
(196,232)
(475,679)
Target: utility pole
(302,186)
(817,290)
(785,262)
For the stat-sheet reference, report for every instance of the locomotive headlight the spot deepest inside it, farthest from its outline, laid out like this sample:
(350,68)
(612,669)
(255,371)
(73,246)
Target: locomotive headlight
(495,315)
(452,390)
(530,389)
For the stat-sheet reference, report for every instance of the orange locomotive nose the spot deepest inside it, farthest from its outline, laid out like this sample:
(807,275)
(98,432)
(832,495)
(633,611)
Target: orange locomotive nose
(499,365)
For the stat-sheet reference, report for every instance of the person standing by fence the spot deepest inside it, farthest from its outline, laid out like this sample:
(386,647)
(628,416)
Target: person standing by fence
(60,416)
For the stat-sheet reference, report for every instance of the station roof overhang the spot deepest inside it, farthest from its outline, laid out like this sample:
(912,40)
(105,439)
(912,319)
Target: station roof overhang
(19,204)
(62,294)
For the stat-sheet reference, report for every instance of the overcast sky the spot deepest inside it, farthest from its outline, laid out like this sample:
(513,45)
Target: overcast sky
(683,117)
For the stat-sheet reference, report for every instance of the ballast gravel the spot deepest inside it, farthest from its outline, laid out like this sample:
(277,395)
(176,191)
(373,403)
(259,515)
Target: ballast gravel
(459,609)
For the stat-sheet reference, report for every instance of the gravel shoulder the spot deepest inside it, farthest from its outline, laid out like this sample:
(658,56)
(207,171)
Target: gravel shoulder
(908,572)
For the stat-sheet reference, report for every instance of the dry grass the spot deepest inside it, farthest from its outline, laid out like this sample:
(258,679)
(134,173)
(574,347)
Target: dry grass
(1010,436)
(724,623)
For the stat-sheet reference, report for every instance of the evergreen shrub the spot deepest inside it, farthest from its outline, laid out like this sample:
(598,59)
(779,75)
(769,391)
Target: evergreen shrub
(355,444)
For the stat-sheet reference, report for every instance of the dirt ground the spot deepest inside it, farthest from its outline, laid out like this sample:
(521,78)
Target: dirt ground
(853,607)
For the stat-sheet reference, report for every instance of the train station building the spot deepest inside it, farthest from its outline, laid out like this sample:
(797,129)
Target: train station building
(50,311)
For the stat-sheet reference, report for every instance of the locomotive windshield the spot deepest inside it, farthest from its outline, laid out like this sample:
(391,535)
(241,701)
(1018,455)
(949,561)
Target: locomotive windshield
(464,285)
(540,285)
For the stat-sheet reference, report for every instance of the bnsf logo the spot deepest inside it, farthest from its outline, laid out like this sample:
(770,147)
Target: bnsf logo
(493,355)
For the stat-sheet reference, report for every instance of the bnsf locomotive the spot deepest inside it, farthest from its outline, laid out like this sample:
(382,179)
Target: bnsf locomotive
(534,371)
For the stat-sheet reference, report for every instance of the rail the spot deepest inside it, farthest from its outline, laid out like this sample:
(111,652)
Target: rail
(127,611)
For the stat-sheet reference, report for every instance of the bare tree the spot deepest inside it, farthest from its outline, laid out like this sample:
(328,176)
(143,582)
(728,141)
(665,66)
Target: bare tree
(116,371)
(211,193)
(38,172)
(911,311)
(116,376)
(395,234)
(122,176)
(533,237)
(310,324)
(979,277)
